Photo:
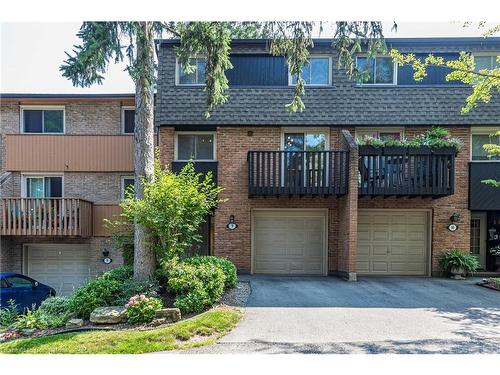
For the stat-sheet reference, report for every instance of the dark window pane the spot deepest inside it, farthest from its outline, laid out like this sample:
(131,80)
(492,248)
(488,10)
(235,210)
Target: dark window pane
(197,77)
(205,147)
(478,141)
(19,282)
(186,147)
(53,121)
(319,71)
(294,142)
(384,70)
(200,71)
(129,121)
(128,184)
(53,187)
(32,121)
(366,66)
(257,70)
(35,187)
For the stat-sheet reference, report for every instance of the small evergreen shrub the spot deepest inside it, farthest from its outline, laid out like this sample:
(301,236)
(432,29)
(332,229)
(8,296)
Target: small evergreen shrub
(96,293)
(224,264)
(141,309)
(196,285)
(55,305)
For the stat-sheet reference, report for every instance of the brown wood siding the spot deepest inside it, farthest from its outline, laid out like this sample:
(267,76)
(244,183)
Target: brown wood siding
(101,212)
(69,153)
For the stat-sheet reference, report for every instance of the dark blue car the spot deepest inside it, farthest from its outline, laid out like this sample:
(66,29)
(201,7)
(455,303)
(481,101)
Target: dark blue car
(25,291)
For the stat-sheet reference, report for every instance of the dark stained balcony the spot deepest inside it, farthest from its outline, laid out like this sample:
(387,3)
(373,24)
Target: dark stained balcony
(406,171)
(297,173)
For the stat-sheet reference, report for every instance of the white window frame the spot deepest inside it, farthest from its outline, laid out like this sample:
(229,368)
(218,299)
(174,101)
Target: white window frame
(26,175)
(482,54)
(22,108)
(299,130)
(122,184)
(290,83)
(480,130)
(358,131)
(123,109)
(178,71)
(176,144)
(394,71)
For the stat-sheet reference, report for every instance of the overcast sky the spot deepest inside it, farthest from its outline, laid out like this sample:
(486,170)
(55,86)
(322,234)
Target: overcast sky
(31,54)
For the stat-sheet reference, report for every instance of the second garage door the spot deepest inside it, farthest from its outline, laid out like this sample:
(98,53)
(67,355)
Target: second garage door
(289,242)
(392,242)
(63,267)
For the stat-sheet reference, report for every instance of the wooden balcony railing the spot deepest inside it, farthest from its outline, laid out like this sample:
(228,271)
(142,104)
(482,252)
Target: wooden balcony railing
(45,217)
(274,173)
(406,171)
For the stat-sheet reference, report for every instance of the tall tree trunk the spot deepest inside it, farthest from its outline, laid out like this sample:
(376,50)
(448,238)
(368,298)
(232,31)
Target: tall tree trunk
(144,256)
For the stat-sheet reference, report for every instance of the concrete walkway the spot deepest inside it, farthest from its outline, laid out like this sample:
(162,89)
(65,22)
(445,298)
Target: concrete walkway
(374,315)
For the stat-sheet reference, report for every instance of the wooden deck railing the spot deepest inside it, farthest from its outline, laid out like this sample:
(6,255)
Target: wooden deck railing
(45,217)
(406,172)
(273,173)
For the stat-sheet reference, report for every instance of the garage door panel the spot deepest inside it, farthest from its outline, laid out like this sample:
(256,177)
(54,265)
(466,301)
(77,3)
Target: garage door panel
(290,242)
(63,267)
(391,242)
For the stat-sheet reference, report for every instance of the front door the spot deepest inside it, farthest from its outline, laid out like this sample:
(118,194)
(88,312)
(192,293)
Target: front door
(478,237)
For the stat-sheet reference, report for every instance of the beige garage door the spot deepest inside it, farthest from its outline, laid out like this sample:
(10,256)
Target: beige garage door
(392,242)
(289,242)
(63,267)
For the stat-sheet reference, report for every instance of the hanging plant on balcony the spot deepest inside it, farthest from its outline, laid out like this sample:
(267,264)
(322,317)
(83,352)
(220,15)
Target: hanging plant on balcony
(370,145)
(393,146)
(441,141)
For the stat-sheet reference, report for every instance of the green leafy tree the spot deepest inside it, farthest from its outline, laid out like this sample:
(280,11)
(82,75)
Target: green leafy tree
(105,43)
(172,208)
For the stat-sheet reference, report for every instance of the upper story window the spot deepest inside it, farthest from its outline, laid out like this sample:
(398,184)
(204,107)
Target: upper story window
(195,78)
(393,133)
(127,182)
(42,120)
(479,140)
(128,120)
(378,70)
(314,140)
(486,62)
(37,186)
(316,72)
(197,146)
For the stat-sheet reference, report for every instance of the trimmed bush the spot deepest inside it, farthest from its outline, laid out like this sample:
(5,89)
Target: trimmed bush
(196,285)
(224,264)
(141,309)
(55,305)
(119,274)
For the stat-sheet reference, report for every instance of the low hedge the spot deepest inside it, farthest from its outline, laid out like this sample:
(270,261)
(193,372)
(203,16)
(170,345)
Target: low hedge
(224,264)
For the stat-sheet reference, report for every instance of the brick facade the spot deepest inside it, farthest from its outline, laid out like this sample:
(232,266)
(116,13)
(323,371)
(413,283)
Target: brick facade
(82,117)
(233,143)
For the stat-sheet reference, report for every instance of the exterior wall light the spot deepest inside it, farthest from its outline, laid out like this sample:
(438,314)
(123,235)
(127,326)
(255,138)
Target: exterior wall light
(231,225)
(455,217)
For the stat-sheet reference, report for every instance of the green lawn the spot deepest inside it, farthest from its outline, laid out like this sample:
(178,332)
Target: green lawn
(203,329)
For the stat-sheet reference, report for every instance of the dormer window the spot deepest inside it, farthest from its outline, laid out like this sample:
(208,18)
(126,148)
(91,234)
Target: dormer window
(195,78)
(486,62)
(376,70)
(316,72)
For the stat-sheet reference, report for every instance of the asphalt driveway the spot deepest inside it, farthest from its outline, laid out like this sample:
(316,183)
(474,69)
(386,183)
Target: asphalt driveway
(373,315)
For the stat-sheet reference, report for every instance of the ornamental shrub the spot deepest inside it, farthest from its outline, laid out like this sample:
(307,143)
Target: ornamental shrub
(31,319)
(196,285)
(458,259)
(55,305)
(99,292)
(8,314)
(224,264)
(141,309)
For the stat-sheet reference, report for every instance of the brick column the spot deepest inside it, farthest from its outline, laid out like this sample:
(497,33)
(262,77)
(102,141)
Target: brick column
(348,212)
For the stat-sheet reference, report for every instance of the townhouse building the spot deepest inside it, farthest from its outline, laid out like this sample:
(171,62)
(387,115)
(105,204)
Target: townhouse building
(300,196)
